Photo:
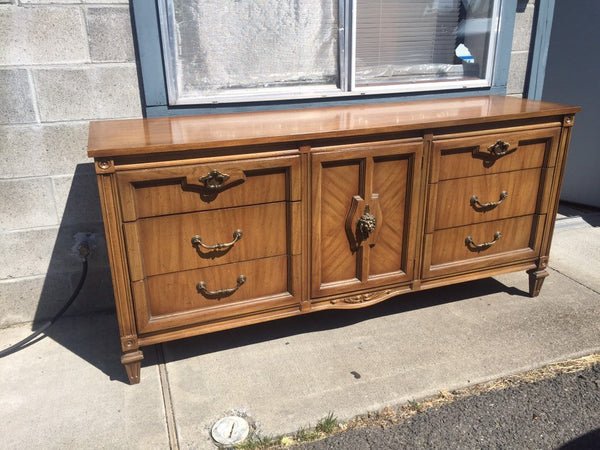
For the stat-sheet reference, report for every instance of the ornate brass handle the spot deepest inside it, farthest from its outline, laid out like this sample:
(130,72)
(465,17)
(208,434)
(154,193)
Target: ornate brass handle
(197,241)
(202,289)
(500,148)
(469,242)
(475,201)
(214,180)
(367,223)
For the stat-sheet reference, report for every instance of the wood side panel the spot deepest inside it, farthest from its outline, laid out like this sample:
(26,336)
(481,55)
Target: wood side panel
(166,242)
(555,185)
(118,262)
(455,208)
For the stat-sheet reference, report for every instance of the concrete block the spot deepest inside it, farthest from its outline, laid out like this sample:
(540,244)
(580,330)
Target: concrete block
(32,298)
(516,73)
(42,35)
(50,250)
(26,253)
(48,2)
(124,2)
(110,36)
(27,203)
(43,149)
(523,28)
(77,199)
(38,299)
(16,99)
(96,92)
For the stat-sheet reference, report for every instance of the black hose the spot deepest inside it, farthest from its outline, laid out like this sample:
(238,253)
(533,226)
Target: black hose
(22,344)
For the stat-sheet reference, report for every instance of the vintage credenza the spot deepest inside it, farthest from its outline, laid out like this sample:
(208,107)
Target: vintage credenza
(220,221)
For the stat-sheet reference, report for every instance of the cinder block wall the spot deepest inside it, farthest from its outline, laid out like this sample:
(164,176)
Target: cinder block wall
(62,64)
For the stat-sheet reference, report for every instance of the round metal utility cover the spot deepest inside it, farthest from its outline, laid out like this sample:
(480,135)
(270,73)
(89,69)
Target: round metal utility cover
(230,430)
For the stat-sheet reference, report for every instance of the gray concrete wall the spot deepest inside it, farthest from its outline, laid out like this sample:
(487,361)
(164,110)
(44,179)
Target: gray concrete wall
(62,64)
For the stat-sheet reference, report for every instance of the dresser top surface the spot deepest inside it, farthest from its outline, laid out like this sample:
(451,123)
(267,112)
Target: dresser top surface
(168,134)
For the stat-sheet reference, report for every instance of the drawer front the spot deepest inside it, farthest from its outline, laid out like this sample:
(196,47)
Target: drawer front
(201,187)
(483,245)
(493,153)
(198,296)
(486,198)
(173,243)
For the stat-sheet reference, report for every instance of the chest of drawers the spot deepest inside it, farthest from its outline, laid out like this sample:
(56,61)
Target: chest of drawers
(214,222)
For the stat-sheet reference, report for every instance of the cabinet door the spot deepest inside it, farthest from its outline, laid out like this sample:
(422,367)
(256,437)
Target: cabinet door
(364,215)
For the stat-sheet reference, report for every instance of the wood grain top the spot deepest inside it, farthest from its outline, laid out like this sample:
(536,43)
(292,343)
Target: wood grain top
(168,134)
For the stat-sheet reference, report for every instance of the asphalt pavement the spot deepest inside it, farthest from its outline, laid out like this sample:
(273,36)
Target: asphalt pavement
(562,412)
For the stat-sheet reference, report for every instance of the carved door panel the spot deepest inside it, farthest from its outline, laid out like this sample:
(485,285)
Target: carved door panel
(364,210)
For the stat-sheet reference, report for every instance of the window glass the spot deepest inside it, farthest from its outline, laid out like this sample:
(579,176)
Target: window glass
(252,50)
(229,47)
(409,41)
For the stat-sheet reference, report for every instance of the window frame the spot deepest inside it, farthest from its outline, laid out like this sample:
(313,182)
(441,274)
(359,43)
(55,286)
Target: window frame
(153,81)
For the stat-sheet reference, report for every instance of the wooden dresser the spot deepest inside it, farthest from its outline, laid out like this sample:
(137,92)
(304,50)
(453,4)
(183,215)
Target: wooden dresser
(219,221)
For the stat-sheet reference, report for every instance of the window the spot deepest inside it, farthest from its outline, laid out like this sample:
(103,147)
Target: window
(221,51)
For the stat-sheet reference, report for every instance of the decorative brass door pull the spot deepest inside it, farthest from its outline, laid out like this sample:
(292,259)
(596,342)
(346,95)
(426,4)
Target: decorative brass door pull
(366,224)
(477,247)
(475,201)
(202,289)
(500,148)
(214,179)
(197,241)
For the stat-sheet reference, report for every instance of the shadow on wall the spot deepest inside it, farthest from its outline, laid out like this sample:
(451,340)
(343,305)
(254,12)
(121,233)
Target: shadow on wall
(96,339)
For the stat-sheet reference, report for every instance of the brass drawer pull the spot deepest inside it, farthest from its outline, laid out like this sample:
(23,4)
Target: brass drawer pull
(500,148)
(477,247)
(197,241)
(202,289)
(214,179)
(475,201)
(366,224)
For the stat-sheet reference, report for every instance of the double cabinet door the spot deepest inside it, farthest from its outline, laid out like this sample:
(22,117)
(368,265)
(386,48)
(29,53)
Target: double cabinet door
(364,207)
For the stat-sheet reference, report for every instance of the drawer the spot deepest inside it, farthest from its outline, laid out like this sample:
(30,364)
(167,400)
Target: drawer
(493,153)
(482,245)
(487,198)
(202,187)
(172,300)
(166,244)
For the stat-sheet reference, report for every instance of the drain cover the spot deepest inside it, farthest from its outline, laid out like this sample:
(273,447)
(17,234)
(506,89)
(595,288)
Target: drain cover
(230,430)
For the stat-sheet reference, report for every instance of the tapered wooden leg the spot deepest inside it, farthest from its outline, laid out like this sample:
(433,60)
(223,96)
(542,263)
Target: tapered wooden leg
(536,279)
(133,365)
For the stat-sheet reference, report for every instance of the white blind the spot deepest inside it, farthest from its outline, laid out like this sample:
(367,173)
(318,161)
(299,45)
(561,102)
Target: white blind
(405,38)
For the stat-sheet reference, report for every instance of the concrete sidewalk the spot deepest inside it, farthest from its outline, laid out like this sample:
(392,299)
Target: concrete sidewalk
(69,390)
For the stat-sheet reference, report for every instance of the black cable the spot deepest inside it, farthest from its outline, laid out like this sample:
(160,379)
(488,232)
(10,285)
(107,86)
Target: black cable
(83,251)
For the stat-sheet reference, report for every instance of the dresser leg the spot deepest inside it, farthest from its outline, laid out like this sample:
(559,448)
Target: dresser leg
(536,279)
(133,365)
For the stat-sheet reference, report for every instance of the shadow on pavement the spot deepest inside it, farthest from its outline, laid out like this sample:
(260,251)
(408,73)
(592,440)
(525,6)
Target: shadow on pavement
(332,319)
(589,440)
